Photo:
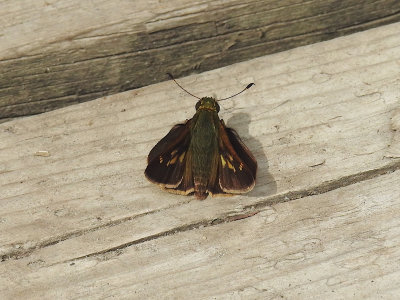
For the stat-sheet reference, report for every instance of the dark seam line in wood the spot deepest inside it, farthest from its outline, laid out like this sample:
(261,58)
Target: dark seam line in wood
(17,254)
(251,210)
(66,100)
(381,20)
(26,55)
(231,216)
(88,180)
(327,186)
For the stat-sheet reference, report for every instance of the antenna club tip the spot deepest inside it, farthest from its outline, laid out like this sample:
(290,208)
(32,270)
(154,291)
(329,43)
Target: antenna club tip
(250,85)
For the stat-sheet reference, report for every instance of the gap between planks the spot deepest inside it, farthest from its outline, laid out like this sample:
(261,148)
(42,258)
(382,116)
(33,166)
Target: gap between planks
(232,216)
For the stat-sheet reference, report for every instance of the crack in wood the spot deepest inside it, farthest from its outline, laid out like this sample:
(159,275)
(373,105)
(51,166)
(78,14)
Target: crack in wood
(230,216)
(20,253)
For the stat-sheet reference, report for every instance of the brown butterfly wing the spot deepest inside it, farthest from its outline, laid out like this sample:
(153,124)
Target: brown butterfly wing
(175,136)
(243,152)
(167,161)
(237,166)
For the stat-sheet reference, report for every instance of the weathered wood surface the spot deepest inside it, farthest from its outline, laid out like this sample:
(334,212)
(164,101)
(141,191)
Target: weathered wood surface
(59,52)
(79,220)
(340,245)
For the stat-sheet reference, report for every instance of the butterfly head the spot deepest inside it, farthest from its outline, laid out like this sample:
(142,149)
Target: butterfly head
(207,103)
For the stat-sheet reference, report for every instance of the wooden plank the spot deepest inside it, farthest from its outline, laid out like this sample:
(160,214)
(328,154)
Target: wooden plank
(56,53)
(320,118)
(344,244)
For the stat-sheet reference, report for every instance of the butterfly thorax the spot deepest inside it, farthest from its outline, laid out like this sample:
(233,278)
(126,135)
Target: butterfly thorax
(208,104)
(204,146)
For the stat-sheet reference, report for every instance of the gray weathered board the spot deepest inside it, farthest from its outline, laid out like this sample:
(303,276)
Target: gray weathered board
(78,220)
(59,52)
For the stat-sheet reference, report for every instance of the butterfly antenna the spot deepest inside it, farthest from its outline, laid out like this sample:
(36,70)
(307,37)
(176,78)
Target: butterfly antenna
(247,87)
(172,77)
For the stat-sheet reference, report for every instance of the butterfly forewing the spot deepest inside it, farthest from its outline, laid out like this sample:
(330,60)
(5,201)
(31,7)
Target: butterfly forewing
(243,152)
(167,160)
(237,166)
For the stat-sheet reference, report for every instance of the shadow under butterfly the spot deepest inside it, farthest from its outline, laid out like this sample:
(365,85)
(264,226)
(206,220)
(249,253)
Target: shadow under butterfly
(202,155)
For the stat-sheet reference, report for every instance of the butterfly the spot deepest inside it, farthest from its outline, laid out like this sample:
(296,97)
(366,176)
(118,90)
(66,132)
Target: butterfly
(202,156)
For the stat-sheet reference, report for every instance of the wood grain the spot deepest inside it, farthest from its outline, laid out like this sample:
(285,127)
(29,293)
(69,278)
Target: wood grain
(61,52)
(339,245)
(79,220)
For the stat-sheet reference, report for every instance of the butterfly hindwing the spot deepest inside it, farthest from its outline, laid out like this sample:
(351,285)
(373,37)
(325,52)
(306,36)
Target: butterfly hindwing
(186,186)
